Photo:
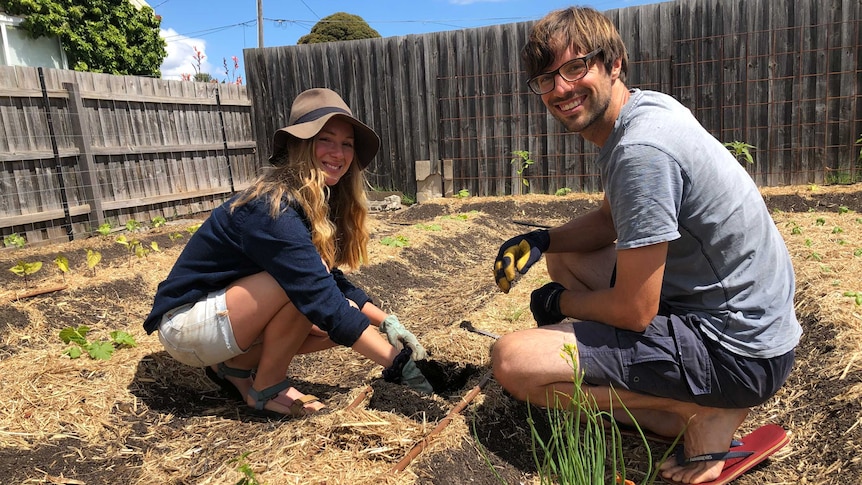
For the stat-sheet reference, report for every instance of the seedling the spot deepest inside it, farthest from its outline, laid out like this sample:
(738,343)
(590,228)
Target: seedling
(462,194)
(104,228)
(820,222)
(25,269)
(741,151)
(62,264)
(14,240)
(132,225)
(193,229)
(523,161)
(174,236)
(562,192)
(248,477)
(101,350)
(430,227)
(843,209)
(93,259)
(398,241)
(159,221)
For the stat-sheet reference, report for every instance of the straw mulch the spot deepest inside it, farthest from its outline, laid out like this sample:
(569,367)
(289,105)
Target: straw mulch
(141,418)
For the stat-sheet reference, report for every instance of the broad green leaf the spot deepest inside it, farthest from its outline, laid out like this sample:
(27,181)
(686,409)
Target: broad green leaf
(75,334)
(123,339)
(100,350)
(93,258)
(62,263)
(73,352)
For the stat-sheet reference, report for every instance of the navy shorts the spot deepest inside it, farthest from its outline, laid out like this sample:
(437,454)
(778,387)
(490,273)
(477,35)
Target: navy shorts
(673,359)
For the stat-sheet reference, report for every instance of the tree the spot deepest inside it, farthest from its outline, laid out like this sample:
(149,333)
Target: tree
(110,36)
(339,26)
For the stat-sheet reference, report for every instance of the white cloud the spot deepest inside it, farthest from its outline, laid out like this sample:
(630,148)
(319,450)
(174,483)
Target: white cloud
(181,55)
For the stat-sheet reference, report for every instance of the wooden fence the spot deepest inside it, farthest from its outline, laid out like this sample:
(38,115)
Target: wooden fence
(783,76)
(78,150)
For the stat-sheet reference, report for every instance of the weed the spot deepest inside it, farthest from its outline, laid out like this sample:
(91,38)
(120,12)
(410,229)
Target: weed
(741,151)
(245,469)
(101,349)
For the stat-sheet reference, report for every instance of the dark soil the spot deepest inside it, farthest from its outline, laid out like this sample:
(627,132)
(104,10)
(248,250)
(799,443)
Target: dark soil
(498,450)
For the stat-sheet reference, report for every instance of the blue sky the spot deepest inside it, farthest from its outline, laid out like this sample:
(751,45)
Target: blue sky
(221,29)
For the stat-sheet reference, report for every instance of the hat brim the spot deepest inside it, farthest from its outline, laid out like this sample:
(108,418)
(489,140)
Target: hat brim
(366,140)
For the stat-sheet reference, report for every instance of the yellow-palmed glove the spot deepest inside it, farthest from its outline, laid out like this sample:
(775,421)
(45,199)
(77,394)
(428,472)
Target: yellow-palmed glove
(517,255)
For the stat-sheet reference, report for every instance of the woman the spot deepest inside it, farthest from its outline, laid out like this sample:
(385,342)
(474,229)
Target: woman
(258,283)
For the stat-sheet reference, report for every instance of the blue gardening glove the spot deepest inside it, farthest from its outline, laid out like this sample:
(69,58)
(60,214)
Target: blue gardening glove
(519,253)
(399,337)
(545,304)
(404,371)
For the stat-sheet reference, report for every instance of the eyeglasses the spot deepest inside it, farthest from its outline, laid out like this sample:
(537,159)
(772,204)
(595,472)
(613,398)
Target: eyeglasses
(571,71)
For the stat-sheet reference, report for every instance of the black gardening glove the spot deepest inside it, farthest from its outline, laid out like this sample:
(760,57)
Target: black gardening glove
(519,253)
(404,371)
(545,304)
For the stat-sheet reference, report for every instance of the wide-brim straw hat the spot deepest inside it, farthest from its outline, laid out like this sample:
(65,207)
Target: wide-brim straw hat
(310,112)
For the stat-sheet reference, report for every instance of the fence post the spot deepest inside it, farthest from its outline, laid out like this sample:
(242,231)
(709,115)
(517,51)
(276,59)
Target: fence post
(81,135)
(224,138)
(58,163)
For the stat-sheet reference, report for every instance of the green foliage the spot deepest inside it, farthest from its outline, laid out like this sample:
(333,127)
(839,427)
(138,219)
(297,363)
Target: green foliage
(561,192)
(857,297)
(104,228)
(159,221)
(430,227)
(132,225)
(26,268)
(62,264)
(248,477)
(407,200)
(14,240)
(522,161)
(193,229)
(337,27)
(741,150)
(107,36)
(101,349)
(576,452)
(174,236)
(398,241)
(462,194)
(93,259)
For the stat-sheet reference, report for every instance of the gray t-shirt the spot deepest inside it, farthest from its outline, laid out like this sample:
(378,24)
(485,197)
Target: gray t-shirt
(669,180)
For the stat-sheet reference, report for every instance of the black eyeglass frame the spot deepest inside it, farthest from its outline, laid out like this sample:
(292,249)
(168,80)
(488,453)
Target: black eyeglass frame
(553,74)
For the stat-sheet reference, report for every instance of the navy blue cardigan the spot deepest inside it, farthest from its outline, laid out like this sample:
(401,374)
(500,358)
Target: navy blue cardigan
(229,246)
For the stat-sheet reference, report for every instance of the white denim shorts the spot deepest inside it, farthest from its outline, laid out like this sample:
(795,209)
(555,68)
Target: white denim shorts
(199,334)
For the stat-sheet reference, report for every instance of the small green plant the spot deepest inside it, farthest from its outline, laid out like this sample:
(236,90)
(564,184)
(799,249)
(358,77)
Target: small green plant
(857,252)
(522,161)
(26,268)
(430,227)
(563,191)
(174,236)
(132,225)
(820,222)
(158,221)
(843,209)
(193,229)
(101,349)
(104,228)
(93,259)
(837,230)
(741,151)
(398,241)
(248,477)
(407,200)
(855,295)
(462,194)
(62,264)
(14,240)
(576,452)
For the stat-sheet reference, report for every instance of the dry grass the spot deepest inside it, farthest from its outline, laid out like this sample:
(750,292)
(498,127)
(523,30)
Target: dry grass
(100,421)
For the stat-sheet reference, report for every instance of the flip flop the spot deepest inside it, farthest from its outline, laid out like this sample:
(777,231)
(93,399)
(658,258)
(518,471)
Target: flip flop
(220,378)
(755,447)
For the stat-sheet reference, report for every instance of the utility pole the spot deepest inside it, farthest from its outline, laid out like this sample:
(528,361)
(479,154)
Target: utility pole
(260,23)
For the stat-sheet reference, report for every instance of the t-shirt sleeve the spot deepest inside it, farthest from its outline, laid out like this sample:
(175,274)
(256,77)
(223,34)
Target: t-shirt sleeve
(283,248)
(645,189)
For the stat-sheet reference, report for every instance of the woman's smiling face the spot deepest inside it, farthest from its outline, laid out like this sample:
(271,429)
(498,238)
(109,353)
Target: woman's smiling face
(334,149)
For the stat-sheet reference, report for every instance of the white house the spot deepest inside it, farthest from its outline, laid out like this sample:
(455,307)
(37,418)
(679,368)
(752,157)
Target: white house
(17,48)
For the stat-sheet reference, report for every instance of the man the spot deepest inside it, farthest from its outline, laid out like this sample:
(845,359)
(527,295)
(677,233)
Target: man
(680,287)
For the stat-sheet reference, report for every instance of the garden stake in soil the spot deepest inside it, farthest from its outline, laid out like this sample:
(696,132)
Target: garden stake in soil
(418,447)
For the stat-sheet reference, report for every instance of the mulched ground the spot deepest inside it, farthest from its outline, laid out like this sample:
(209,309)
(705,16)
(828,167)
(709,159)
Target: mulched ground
(161,422)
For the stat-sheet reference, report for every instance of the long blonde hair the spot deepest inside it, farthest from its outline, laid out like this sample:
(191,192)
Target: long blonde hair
(337,214)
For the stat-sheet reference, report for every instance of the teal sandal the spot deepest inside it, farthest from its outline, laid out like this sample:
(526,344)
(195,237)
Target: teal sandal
(296,409)
(219,377)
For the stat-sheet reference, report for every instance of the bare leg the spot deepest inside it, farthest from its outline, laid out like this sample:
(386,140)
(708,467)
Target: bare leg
(529,366)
